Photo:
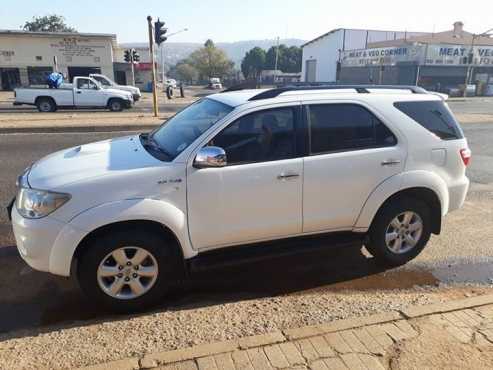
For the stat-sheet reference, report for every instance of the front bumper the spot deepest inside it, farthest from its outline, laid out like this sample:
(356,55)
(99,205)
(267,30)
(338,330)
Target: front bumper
(35,239)
(136,97)
(129,103)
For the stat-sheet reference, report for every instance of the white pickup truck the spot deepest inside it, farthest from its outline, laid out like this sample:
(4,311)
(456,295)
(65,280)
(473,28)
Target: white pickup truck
(85,92)
(108,83)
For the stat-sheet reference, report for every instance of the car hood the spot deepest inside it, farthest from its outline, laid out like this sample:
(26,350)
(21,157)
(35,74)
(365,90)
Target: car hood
(130,89)
(117,91)
(89,161)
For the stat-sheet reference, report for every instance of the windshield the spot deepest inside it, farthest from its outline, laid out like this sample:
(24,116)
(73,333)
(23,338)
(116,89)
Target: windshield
(175,135)
(102,80)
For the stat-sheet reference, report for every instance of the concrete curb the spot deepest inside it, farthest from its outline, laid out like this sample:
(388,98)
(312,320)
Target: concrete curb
(64,129)
(209,349)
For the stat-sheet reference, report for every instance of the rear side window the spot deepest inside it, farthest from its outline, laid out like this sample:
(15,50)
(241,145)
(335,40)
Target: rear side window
(340,127)
(433,116)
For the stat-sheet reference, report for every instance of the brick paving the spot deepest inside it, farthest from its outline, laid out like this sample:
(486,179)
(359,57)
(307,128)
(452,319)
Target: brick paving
(360,343)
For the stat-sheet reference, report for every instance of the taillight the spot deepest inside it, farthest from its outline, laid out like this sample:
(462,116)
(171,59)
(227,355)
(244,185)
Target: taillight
(465,154)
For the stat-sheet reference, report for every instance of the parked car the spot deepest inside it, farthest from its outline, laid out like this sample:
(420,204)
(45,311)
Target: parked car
(84,92)
(244,175)
(110,84)
(170,82)
(215,84)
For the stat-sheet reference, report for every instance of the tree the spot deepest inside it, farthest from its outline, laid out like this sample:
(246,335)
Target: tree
(289,59)
(253,63)
(186,72)
(210,61)
(48,23)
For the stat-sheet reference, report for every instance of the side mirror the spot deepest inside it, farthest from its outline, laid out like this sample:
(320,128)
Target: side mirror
(210,156)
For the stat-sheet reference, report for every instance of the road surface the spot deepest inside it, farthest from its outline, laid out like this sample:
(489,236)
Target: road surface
(461,254)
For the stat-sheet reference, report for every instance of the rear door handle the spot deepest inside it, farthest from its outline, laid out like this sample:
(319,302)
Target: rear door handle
(287,176)
(391,162)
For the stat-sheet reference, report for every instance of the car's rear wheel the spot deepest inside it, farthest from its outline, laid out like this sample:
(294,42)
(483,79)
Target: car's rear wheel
(115,105)
(400,231)
(127,271)
(46,105)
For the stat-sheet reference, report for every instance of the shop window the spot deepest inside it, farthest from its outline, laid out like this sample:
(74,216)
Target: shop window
(38,75)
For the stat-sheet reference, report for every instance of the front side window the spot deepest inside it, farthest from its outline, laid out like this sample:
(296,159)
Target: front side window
(340,127)
(86,84)
(176,134)
(262,136)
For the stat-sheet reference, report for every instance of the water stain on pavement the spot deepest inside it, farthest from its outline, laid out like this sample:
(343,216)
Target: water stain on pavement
(32,299)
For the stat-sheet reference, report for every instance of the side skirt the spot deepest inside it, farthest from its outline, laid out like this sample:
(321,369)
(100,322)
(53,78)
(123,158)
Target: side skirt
(249,253)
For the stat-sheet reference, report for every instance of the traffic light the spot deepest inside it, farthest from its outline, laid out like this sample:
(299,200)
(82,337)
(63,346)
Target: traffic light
(135,56)
(159,32)
(127,56)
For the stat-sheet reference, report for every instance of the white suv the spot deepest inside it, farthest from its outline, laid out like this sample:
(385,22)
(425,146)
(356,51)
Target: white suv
(240,175)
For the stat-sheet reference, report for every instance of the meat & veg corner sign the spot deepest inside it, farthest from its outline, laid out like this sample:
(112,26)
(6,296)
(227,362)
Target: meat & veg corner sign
(434,54)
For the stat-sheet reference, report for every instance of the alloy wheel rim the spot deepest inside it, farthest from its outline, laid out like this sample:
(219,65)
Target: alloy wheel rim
(116,105)
(404,232)
(127,272)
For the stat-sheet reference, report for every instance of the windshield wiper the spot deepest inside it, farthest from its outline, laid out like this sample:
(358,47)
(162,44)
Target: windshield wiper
(150,143)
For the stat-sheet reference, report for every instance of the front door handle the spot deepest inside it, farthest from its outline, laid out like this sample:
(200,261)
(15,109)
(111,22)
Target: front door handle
(287,176)
(391,162)
(79,92)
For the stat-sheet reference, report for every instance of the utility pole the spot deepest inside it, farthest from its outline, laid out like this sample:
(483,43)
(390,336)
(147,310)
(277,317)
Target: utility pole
(153,66)
(470,58)
(277,60)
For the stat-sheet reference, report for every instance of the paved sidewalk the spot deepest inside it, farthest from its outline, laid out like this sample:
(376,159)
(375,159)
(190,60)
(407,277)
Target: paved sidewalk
(456,334)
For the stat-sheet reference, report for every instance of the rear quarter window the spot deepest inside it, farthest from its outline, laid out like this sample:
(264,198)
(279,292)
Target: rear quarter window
(434,116)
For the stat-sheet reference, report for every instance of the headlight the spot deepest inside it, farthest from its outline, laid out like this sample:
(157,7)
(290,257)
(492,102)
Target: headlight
(32,203)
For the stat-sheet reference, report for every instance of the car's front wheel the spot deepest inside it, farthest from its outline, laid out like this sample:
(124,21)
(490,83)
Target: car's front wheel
(116,105)
(399,232)
(126,270)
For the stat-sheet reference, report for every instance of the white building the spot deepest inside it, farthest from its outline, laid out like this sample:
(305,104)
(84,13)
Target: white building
(27,57)
(322,56)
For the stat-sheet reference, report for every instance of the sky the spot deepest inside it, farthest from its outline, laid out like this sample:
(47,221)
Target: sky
(233,20)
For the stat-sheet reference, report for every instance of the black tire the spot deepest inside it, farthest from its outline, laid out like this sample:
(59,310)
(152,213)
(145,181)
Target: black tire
(377,244)
(97,250)
(169,92)
(46,105)
(116,105)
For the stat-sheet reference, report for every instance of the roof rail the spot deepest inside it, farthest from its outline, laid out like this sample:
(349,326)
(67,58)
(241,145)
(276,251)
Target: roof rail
(361,89)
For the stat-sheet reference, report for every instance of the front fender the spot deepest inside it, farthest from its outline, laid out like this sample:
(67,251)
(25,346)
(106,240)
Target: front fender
(394,184)
(125,210)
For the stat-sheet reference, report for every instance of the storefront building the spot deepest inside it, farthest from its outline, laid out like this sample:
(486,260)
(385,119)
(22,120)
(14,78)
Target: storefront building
(441,62)
(322,55)
(26,58)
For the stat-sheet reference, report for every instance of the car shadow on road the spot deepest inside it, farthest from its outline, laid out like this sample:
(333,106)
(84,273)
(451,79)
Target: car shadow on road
(41,302)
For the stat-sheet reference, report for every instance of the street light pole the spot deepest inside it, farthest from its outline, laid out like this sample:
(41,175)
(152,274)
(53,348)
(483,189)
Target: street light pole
(162,51)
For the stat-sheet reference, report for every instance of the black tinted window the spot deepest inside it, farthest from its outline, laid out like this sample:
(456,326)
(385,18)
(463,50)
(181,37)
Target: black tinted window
(335,127)
(434,116)
(259,137)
